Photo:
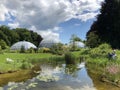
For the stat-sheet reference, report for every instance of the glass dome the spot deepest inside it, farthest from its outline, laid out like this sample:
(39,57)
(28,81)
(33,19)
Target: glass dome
(18,45)
(79,44)
(46,43)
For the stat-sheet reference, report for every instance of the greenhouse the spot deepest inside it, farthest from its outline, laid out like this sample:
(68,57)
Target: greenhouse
(78,44)
(27,45)
(46,43)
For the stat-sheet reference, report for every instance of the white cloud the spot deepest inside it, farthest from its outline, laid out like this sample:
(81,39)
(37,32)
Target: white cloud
(43,15)
(77,24)
(13,25)
(87,16)
(3,13)
(50,36)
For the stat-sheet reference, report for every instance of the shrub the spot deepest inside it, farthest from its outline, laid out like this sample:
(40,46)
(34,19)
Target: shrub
(22,50)
(3,44)
(31,50)
(25,65)
(69,58)
(100,51)
(46,50)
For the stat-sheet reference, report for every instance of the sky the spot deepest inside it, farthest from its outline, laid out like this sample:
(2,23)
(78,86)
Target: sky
(54,20)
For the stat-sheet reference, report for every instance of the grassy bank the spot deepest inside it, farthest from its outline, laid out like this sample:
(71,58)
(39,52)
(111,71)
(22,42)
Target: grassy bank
(21,61)
(98,63)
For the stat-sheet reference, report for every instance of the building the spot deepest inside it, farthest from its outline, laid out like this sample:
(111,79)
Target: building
(46,43)
(27,45)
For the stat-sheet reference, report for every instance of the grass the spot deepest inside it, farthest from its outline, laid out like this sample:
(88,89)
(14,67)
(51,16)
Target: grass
(19,58)
(22,56)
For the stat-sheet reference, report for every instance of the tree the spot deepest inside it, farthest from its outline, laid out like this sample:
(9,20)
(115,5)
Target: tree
(3,44)
(11,36)
(27,35)
(73,39)
(92,40)
(107,25)
(57,49)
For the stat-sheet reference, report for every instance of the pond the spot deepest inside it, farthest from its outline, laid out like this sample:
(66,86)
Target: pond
(59,76)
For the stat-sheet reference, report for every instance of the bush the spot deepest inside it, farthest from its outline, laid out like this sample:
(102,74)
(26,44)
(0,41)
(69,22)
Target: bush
(22,50)
(43,50)
(3,44)
(31,50)
(69,58)
(25,65)
(100,51)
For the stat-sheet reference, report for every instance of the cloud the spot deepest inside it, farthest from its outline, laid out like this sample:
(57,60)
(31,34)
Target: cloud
(43,15)
(3,13)
(77,24)
(50,36)
(13,25)
(87,16)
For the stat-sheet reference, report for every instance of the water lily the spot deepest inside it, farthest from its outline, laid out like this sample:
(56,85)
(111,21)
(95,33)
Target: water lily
(13,87)
(31,85)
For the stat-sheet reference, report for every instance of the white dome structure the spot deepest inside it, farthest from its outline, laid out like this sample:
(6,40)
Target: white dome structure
(79,44)
(18,45)
(46,43)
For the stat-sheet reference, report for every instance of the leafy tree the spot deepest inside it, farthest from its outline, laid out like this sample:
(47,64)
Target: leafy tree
(73,39)
(4,37)
(31,36)
(92,40)
(107,25)
(11,36)
(57,48)
(3,44)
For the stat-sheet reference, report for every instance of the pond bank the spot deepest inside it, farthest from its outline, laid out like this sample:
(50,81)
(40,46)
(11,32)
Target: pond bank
(18,76)
(96,74)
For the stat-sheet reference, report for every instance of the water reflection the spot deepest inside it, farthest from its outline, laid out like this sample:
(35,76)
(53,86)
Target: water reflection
(59,77)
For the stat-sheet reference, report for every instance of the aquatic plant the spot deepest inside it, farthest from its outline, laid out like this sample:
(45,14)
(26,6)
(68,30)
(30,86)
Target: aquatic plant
(31,85)
(48,78)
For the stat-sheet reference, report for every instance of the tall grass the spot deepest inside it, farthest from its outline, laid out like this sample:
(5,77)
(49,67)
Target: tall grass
(70,58)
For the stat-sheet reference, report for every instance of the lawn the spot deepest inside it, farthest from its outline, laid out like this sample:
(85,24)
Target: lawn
(18,59)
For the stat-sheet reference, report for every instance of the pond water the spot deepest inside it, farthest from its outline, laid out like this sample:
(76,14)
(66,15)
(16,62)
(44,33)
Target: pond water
(59,77)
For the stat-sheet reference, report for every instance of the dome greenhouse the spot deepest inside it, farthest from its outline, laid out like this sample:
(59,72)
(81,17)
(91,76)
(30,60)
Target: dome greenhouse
(46,43)
(27,45)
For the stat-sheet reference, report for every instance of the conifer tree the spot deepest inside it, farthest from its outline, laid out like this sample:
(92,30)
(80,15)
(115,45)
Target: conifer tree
(107,25)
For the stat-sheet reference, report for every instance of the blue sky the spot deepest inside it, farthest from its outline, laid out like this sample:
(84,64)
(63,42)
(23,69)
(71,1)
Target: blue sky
(54,20)
(74,26)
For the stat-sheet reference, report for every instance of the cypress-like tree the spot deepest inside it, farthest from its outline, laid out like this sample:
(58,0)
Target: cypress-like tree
(107,26)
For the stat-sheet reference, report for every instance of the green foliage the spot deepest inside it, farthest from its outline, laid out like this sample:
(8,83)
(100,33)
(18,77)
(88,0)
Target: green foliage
(3,44)
(22,50)
(31,50)
(70,58)
(45,50)
(100,51)
(19,34)
(73,39)
(57,49)
(26,65)
(92,40)
(107,26)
